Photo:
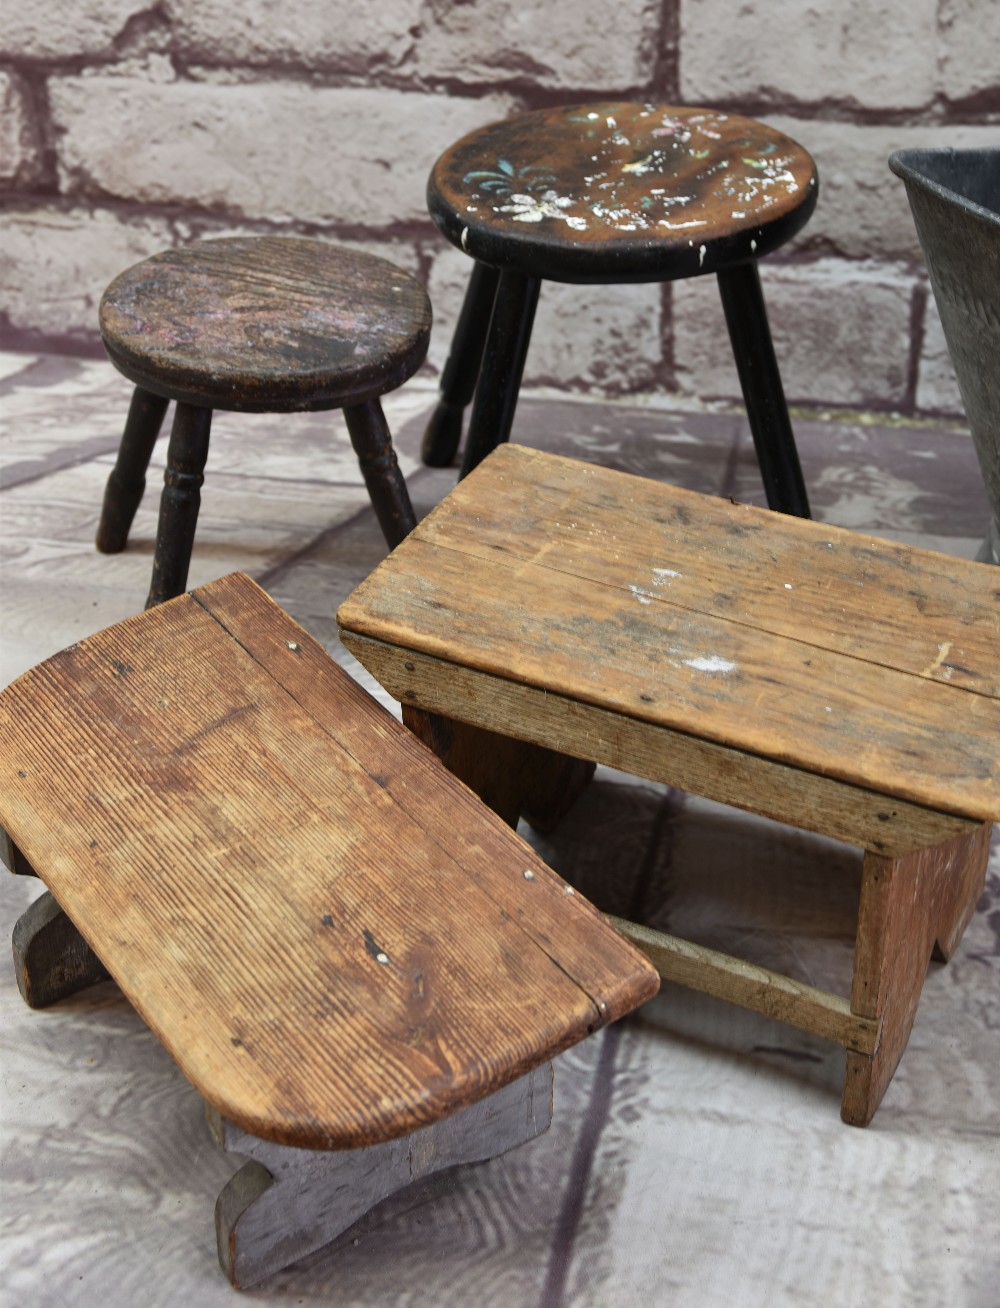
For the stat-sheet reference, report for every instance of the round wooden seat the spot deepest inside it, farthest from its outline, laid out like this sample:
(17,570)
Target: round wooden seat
(606,193)
(256,324)
(266,324)
(622,192)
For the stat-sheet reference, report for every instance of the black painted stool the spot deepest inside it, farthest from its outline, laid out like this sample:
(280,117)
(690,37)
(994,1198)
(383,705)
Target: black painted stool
(605,193)
(260,325)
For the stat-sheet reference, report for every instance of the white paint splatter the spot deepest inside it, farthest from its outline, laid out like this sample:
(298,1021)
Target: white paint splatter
(661,576)
(702,251)
(641,595)
(788,585)
(943,651)
(711,663)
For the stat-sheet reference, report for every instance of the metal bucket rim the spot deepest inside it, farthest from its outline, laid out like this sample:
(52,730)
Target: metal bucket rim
(902,163)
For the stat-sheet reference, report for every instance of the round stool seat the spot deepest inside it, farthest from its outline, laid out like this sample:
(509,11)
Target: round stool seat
(266,324)
(621,192)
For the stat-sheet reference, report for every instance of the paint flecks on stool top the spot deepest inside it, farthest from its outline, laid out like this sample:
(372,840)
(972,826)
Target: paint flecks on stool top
(647,175)
(266,323)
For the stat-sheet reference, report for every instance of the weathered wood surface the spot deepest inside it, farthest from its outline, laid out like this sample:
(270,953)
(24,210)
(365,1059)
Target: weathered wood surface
(336,942)
(496,706)
(619,191)
(911,908)
(286,1203)
(266,323)
(758,988)
(842,684)
(844,656)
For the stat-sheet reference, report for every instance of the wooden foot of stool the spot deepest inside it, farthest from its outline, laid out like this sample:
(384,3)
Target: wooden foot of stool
(286,1203)
(51,959)
(912,908)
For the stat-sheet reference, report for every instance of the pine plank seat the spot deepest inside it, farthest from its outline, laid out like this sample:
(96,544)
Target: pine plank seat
(840,683)
(254,324)
(613,192)
(360,968)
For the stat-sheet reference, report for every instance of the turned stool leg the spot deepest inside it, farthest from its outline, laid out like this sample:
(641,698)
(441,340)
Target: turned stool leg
(373,445)
(746,318)
(127,481)
(187,455)
(911,907)
(458,379)
(503,366)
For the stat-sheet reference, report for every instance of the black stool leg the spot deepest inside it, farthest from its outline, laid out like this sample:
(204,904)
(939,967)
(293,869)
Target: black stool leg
(503,366)
(458,380)
(187,455)
(746,318)
(373,445)
(128,477)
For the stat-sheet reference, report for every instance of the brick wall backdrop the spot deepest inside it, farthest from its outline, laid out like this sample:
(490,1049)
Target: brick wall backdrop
(127,126)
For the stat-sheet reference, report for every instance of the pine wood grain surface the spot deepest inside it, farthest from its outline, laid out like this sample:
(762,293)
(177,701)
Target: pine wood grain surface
(330,935)
(838,654)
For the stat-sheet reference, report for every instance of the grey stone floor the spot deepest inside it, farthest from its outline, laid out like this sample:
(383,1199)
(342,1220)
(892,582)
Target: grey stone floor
(697,1157)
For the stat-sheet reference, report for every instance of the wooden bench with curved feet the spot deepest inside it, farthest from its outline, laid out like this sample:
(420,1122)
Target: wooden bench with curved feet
(363,971)
(840,683)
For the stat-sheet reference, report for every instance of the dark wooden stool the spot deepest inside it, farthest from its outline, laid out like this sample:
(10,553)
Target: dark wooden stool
(605,193)
(261,325)
(839,683)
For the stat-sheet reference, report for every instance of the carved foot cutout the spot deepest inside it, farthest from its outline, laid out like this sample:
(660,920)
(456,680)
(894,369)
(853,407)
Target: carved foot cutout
(912,907)
(286,1203)
(961,894)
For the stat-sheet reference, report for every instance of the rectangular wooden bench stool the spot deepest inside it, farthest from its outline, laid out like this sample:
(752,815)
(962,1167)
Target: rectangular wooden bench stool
(840,683)
(360,967)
